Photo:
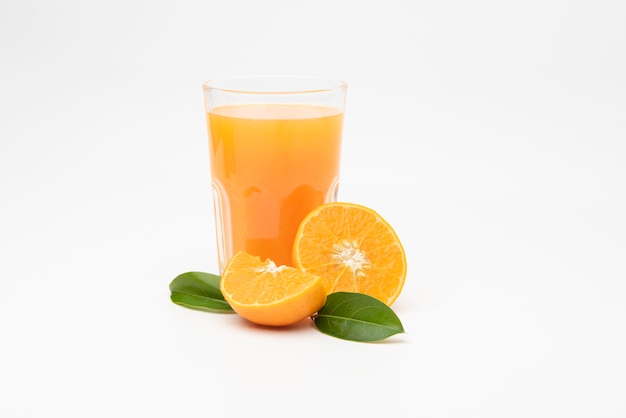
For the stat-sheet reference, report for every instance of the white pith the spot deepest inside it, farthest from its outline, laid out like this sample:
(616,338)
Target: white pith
(350,255)
(270,267)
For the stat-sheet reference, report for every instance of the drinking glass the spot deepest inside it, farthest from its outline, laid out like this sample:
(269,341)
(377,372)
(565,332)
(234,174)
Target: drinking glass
(275,150)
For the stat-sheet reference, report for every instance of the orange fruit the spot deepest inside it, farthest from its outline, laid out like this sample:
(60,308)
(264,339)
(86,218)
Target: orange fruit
(353,249)
(267,294)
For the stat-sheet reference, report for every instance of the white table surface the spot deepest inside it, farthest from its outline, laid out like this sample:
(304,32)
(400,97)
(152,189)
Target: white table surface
(491,135)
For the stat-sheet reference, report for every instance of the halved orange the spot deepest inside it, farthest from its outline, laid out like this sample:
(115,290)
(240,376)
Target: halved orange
(267,294)
(353,249)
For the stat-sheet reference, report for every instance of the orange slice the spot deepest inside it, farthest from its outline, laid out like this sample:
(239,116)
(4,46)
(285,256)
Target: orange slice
(353,249)
(267,294)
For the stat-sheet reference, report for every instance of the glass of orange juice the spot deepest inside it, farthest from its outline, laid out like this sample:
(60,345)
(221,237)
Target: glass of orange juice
(274,148)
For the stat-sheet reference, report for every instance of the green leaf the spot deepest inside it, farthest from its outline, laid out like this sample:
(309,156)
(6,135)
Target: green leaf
(357,317)
(197,290)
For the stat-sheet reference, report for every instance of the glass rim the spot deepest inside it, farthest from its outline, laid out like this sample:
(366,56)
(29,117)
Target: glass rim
(228,84)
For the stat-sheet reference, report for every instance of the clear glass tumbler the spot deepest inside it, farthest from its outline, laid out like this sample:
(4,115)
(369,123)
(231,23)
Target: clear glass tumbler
(275,150)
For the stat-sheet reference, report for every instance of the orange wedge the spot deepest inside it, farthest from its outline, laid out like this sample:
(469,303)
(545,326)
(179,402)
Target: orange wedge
(353,249)
(267,294)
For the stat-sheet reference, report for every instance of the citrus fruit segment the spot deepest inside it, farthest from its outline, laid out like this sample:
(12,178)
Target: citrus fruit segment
(267,294)
(353,249)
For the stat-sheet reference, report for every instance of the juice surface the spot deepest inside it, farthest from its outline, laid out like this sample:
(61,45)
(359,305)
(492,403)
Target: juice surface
(271,165)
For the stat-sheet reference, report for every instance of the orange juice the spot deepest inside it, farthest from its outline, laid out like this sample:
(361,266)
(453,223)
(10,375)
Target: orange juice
(271,165)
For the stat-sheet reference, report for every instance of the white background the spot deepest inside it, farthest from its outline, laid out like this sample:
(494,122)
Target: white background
(490,134)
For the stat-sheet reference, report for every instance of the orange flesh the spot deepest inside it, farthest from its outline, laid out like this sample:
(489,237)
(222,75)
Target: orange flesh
(268,294)
(353,249)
